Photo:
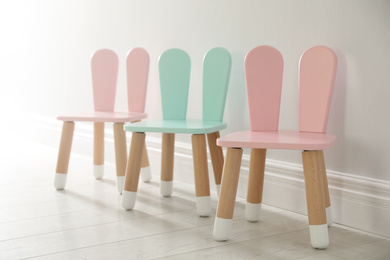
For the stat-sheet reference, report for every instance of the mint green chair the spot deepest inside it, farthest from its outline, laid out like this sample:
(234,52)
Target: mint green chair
(174,70)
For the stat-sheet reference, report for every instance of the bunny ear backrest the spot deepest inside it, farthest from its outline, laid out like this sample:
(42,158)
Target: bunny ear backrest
(104,65)
(317,71)
(174,71)
(264,75)
(137,65)
(216,74)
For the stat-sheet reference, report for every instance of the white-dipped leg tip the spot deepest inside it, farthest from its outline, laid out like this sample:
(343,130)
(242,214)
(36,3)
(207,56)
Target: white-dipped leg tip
(60,181)
(120,180)
(146,174)
(222,228)
(252,211)
(329,218)
(128,199)
(203,206)
(319,236)
(166,188)
(218,187)
(98,171)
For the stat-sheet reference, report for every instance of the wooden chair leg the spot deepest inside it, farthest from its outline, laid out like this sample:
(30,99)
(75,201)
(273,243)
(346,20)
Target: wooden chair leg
(120,154)
(146,174)
(167,156)
(202,186)
(216,155)
(133,168)
(227,197)
(328,207)
(64,155)
(98,149)
(315,198)
(255,184)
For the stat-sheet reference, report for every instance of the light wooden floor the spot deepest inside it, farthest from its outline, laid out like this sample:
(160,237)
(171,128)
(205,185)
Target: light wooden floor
(86,222)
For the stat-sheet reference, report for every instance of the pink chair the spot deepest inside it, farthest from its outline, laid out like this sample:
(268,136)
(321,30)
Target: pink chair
(105,65)
(264,72)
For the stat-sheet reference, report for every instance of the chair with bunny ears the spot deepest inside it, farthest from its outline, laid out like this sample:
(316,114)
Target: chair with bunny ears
(104,65)
(174,71)
(264,72)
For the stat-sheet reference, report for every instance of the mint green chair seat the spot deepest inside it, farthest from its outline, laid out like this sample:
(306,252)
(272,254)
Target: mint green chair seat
(188,126)
(174,71)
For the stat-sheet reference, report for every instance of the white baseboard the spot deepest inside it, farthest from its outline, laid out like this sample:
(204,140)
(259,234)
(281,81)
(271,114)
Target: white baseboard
(358,202)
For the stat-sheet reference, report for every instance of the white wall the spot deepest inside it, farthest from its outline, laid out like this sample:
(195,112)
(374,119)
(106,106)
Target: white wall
(46,46)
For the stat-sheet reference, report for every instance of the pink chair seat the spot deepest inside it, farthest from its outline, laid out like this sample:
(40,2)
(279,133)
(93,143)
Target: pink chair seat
(97,116)
(281,139)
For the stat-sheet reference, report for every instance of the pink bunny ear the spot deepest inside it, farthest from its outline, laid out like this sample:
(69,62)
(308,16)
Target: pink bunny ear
(264,74)
(317,73)
(105,65)
(137,79)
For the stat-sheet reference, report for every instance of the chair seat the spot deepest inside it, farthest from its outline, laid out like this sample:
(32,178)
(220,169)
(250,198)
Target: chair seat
(282,139)
(95,116)
(189,126)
